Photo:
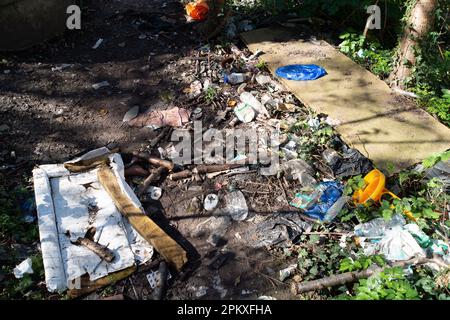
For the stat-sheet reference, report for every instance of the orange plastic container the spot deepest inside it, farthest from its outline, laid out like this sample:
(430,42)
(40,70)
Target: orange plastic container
(197,10)
(375,188)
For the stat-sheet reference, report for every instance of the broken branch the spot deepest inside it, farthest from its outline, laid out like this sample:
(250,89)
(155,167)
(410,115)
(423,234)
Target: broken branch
(154,177)
(155,160)
(100,250)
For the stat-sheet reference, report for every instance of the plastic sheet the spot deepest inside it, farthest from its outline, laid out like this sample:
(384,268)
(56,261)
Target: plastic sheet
(301,72)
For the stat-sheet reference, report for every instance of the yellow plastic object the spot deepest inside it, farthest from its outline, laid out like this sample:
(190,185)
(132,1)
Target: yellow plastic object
(197,10)
(375,188)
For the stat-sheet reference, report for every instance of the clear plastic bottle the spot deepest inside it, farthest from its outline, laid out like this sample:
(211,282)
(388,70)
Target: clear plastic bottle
(235,78)
(336,208)
(236,205)
(250,99)
(244,112)
(377,227)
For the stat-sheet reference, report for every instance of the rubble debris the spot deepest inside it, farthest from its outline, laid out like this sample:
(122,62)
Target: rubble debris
(25,267)
(299,72)
(175,117)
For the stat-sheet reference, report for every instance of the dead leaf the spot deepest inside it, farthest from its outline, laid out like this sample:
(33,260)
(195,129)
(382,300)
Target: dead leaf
(231,103)
(287,107)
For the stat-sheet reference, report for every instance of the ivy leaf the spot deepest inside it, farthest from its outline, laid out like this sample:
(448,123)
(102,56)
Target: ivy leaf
(429,213)
(387,214)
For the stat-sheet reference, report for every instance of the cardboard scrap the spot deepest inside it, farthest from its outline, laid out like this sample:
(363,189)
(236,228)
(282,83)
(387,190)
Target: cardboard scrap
(174,117)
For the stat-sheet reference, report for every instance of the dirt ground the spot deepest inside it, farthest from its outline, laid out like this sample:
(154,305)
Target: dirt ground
(51,116)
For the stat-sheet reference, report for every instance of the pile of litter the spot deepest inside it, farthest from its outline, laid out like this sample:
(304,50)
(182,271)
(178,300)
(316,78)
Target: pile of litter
(94,229)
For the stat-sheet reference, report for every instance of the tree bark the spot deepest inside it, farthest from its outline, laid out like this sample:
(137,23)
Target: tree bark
(420,22)
(213,24)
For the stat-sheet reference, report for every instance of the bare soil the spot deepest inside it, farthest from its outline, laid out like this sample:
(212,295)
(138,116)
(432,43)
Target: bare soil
(51,116)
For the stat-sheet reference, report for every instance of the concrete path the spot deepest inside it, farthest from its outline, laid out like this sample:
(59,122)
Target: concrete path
(387,128)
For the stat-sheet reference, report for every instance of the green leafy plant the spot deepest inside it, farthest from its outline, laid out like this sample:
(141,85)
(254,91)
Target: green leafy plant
(362,263)
(318,256)
(25,287)
(351,43)
(389,284)
(435,158)
(353,184)
(211,94)
(261,65)
(368,53)
(12,227)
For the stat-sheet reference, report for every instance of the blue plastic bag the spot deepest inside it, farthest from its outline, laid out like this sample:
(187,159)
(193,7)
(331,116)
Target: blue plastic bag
(329,196)
(301,72)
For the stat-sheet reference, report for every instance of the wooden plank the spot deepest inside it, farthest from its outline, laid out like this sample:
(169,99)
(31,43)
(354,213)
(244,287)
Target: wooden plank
(167,247)
(370,117)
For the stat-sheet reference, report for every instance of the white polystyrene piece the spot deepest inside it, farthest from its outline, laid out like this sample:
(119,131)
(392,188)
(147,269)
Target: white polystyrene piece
(63,204)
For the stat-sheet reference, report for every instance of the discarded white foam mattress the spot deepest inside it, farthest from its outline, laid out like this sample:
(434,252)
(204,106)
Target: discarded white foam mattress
(75,202)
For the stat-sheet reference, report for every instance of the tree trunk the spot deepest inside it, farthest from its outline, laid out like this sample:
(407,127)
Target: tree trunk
(420,21)
(213,24)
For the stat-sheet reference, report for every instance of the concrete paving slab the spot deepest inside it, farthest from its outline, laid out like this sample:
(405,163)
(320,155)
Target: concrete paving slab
(384,126)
